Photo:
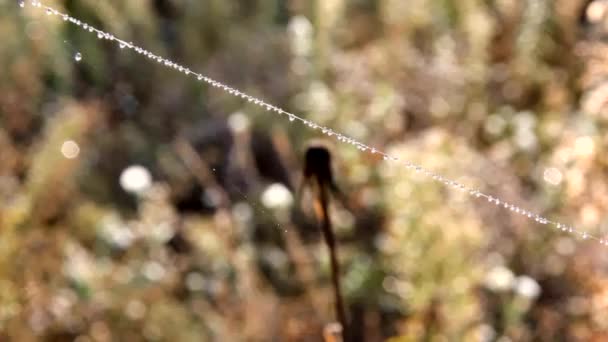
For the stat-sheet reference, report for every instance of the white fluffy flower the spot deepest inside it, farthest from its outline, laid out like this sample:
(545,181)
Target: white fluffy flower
(499,279)
(135,179)
(527,287)
(277,196)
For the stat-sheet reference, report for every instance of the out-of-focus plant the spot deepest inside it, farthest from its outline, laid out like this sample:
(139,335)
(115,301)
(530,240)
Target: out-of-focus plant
(107,232)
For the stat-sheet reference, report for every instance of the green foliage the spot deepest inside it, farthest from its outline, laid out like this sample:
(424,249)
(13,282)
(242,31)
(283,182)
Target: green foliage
(505,96)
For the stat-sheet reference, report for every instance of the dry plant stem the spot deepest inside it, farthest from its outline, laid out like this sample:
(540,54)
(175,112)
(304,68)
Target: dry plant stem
(322,204)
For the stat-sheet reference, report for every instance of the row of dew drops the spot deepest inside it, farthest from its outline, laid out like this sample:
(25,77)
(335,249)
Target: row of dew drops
(324,130)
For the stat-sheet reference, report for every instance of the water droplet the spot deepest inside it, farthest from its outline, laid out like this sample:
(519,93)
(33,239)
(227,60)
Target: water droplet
(48,11)
(78,57)
(21,3)
(291,117)
(199,77)
(122,45)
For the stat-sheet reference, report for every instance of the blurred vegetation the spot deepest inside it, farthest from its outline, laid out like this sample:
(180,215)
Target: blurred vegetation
(138,204)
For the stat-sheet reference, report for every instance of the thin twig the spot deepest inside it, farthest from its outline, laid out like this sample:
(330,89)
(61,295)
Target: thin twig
(323,201)
(318,174)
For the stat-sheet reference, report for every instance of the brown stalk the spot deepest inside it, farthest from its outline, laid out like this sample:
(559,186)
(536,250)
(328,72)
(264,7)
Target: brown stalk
(318,174)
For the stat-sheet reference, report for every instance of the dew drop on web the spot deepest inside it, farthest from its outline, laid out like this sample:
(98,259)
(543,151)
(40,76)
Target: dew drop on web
(475,193)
